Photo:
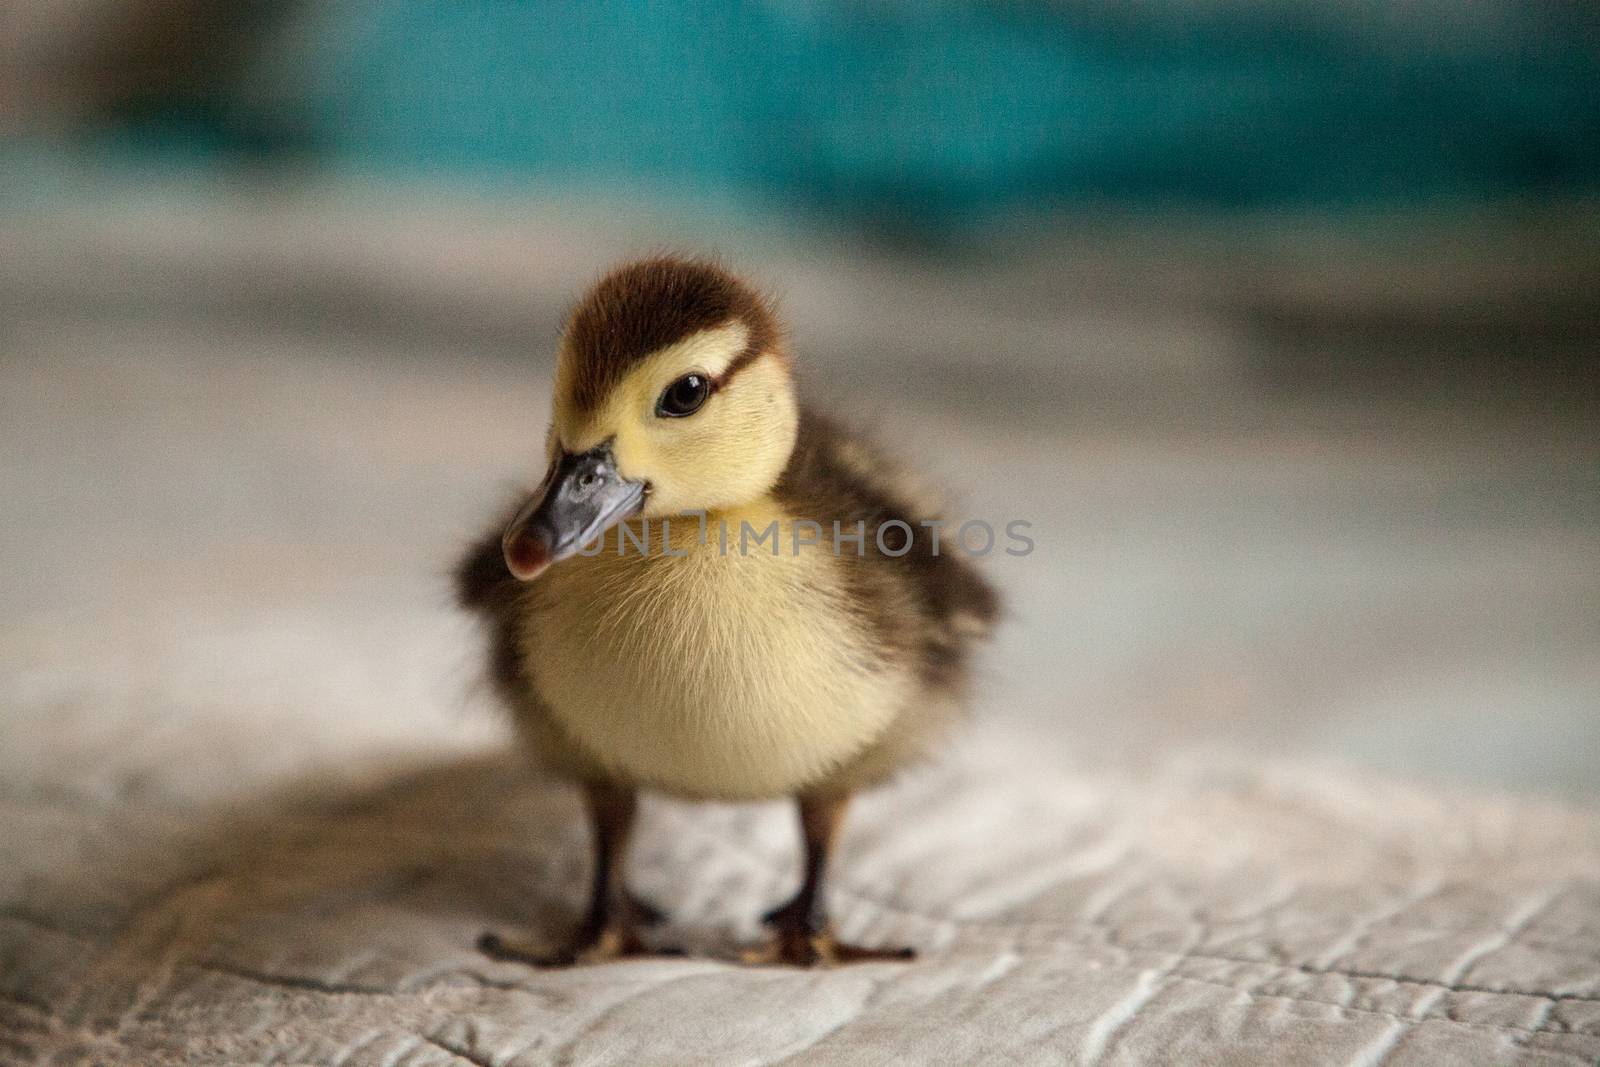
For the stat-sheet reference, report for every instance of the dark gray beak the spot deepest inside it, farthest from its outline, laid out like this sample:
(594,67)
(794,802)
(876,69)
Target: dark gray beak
(583,496)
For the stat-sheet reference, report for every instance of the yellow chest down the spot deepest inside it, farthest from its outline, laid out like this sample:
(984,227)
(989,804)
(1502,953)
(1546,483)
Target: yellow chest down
(714,674)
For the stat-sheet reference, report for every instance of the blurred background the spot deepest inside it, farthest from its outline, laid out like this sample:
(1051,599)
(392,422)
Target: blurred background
(1280,322)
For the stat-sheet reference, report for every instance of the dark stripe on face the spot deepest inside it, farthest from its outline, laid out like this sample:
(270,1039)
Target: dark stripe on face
(643,307)
(751,353)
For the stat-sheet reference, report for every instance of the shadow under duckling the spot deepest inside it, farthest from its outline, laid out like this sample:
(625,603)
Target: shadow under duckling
(716,593)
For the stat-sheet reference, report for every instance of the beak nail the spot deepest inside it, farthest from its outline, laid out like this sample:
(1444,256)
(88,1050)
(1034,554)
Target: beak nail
(526,554)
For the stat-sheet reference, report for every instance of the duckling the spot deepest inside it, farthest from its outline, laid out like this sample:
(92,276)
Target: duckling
(715,593)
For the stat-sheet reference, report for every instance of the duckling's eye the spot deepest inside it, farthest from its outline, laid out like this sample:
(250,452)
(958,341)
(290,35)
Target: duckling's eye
(684,396)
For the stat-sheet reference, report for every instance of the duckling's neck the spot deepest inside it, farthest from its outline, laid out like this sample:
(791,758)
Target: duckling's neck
(720,530)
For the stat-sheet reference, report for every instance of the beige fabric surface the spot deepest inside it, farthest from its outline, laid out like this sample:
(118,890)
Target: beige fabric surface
(1202,916)
(255,807)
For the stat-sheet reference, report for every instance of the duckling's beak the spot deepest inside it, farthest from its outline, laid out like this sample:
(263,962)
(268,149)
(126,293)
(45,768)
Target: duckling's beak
(582,497)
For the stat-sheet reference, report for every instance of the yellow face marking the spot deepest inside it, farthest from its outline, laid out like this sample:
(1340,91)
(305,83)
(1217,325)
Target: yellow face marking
(728,453)
(707,351)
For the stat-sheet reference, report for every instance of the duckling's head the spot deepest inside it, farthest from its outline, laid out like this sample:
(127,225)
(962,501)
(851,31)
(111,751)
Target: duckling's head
(672,394)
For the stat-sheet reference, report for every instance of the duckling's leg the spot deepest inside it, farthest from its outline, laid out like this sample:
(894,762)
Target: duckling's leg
(803,936)
(609,931)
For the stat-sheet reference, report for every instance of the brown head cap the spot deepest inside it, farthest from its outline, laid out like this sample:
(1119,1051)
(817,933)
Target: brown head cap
(644,306)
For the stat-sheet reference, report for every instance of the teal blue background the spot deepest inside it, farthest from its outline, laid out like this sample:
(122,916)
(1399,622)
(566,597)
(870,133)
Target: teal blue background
(932,112)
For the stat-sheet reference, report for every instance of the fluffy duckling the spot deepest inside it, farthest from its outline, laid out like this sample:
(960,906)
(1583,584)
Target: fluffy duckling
(648,632)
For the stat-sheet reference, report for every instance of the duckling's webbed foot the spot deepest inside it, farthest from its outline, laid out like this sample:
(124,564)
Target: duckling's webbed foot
(613,941)
(802,934)
(610,930)
(803,937)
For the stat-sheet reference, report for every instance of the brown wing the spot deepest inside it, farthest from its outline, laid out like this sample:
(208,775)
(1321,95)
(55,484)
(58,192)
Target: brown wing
(482,582)
(838,475)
